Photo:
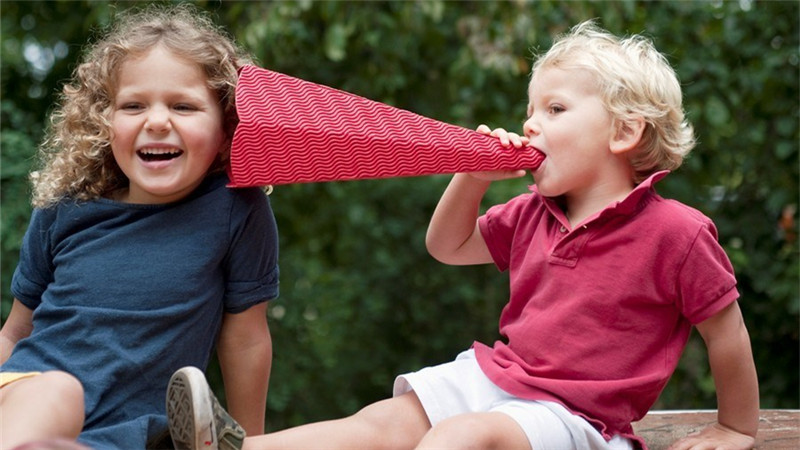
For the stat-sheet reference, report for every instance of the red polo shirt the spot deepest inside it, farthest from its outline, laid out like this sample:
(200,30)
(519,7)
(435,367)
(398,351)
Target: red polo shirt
(598,316)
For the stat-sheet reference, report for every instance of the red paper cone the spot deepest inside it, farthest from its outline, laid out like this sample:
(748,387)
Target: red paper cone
(295,131)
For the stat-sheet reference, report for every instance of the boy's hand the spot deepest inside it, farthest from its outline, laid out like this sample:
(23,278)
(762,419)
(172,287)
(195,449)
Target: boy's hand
(507,139)
(715,437)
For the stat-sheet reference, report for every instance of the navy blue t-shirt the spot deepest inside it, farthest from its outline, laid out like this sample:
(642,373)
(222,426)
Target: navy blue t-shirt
(124,294)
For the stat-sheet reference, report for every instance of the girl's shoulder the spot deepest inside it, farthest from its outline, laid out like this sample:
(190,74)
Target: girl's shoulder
(217,186)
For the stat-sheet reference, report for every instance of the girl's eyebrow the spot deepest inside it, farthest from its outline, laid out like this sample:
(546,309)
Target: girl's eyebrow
(175,95)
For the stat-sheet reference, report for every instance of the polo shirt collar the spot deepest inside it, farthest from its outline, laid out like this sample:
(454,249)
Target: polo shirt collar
(627,206)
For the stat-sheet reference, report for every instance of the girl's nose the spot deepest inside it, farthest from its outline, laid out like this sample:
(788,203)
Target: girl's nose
(158,120)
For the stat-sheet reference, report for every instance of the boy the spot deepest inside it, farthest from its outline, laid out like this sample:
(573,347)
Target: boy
(606,278)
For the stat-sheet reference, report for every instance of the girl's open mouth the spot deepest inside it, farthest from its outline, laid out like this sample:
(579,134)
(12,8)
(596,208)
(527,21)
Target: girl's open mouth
(155,154)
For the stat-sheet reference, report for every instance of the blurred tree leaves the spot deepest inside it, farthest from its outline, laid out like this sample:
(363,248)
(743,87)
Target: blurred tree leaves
(361,299)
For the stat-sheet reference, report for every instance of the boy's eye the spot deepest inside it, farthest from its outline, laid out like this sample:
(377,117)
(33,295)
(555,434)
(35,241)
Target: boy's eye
(555,109)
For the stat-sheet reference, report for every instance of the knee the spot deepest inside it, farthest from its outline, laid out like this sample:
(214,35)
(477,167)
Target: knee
(67,394)
(66,386)
(396,423)
(470,431)
(460,432)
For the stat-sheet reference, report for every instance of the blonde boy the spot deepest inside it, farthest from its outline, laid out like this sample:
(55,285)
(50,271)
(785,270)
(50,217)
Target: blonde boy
(607,278)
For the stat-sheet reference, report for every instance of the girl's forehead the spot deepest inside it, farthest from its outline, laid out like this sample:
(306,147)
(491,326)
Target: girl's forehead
(158,52)
(160,48)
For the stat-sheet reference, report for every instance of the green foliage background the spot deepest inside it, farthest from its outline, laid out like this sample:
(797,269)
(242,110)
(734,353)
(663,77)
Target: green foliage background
(361,299)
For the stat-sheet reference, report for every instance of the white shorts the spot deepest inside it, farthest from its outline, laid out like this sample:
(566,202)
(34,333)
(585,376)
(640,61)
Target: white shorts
(461,387)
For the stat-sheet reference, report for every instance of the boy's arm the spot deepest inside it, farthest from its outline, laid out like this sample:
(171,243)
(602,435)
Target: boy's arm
(453,235)
(18,325)
(734,372)
(245,357)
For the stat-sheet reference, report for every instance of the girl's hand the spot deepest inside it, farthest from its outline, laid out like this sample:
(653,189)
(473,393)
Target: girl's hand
(507,139)
(715,437)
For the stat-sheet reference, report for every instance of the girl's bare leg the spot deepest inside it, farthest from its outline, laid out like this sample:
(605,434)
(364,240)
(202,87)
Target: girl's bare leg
(396,423)
(43,407)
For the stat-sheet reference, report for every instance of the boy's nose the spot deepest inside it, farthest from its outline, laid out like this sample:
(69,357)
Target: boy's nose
(530,127)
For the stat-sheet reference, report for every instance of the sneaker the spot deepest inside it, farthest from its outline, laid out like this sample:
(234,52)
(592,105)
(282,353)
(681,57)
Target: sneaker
(196,419)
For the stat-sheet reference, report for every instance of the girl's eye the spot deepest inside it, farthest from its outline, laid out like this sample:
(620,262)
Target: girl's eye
(131,107)
(184,107)
(555,109)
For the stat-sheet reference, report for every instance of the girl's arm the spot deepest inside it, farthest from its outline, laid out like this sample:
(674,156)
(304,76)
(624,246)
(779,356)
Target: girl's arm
(245,357)
(734,372)
(18,326)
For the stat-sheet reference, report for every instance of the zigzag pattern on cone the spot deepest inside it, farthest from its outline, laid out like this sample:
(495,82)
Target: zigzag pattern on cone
(296,131)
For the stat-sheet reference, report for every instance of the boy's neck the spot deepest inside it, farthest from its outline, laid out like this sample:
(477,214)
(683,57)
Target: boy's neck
(579,207)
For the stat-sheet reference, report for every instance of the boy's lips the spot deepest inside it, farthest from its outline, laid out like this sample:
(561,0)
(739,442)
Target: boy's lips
(542,155)
(536,149)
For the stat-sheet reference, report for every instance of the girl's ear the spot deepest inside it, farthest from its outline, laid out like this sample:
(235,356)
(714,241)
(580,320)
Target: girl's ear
(627,136)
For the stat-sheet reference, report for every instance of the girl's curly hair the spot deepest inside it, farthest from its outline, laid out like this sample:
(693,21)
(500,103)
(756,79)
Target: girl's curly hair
(75,157)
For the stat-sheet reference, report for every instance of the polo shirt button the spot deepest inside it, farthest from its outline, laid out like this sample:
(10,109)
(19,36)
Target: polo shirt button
(563,229)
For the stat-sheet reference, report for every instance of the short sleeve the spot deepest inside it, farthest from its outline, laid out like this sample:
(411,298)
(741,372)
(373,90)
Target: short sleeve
(498,227)
(251,264)
(706,280)
(35,269)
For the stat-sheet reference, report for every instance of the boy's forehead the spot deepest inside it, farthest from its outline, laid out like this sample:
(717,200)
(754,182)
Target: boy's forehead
(549,77)
(534,81)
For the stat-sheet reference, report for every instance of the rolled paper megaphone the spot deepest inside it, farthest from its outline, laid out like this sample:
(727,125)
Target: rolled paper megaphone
(295,131)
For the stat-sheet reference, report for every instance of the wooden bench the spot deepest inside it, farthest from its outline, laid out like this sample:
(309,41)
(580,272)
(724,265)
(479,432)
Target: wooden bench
(778,428)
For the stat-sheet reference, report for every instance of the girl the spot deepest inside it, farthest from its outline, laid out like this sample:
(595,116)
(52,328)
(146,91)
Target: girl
(138,260)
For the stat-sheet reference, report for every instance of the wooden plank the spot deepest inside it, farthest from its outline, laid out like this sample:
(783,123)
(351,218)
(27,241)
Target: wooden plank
(778,429)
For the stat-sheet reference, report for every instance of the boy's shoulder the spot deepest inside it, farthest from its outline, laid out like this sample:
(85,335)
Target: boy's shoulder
(670,219)
(675,211)
(666,211)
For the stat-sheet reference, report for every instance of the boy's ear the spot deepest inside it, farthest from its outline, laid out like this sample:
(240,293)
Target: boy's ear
(627,136)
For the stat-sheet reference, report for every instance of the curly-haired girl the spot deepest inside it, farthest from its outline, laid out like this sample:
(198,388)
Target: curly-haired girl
(138,260)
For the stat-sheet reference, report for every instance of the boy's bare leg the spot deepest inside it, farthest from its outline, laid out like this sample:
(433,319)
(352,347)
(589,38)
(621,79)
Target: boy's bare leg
(46,406)
(396,423)
(488,430)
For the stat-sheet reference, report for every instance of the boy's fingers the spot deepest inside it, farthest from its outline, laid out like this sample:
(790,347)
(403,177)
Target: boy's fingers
(506,137)
(483,129)
(516,140)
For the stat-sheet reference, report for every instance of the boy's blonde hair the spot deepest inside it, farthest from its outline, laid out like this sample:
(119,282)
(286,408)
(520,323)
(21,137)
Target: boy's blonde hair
(635,81)
(75,158)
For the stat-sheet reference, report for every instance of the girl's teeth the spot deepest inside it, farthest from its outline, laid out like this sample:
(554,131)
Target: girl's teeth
(159,154)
